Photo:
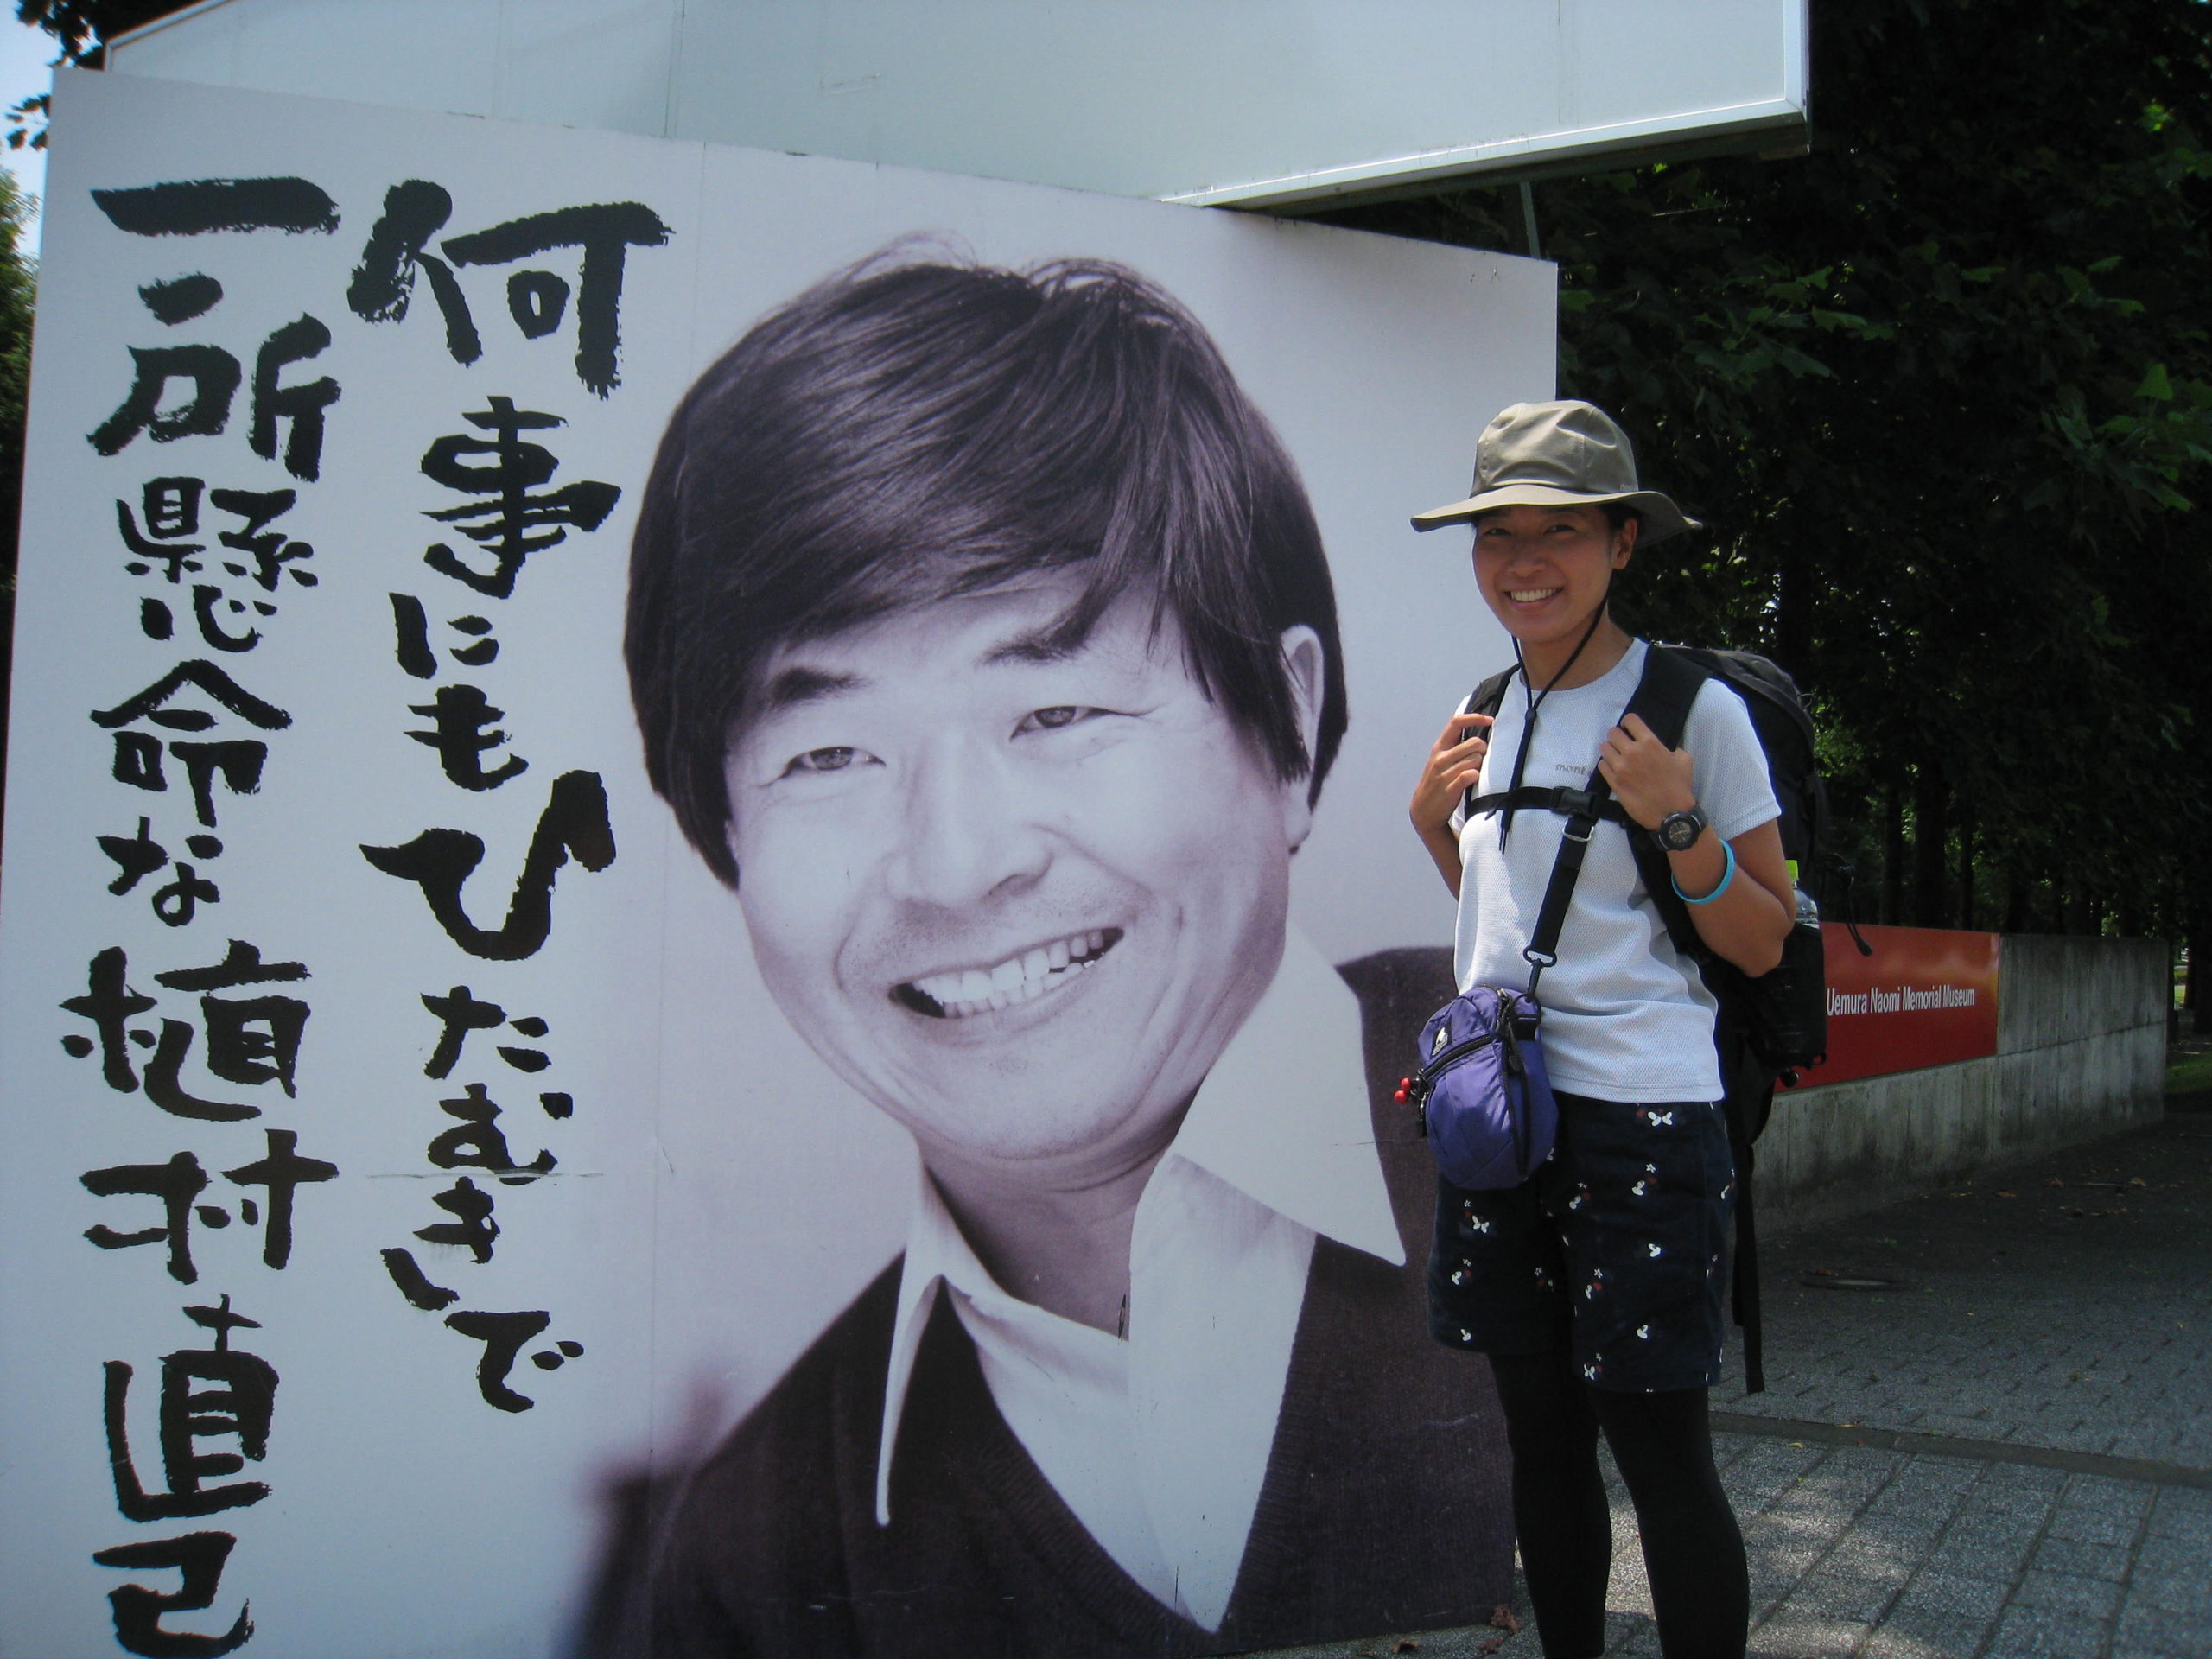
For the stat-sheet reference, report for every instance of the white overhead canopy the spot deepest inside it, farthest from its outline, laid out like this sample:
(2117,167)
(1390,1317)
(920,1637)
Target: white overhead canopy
(1251,103)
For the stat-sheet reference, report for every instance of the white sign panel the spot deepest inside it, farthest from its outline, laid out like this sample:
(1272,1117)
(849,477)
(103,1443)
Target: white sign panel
(463,1088)
(1254,103)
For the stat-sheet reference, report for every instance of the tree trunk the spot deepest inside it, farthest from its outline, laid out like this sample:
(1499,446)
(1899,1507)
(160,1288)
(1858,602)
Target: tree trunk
(2020,901)
(1892,856)
(1793,618)
(1966,870)
(1931,812)
(2195,996)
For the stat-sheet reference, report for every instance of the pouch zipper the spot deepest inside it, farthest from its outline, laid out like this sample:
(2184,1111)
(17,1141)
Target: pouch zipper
(1437,1067)
(1423,1083)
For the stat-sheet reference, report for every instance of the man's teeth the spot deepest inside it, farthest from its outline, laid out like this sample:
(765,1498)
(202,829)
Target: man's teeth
(1016,980)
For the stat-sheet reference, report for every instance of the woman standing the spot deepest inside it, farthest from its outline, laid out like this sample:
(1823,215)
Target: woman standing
(1595,1287)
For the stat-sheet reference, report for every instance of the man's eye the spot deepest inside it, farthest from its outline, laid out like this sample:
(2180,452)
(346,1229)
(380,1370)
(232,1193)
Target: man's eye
(832,760)
(1052,719)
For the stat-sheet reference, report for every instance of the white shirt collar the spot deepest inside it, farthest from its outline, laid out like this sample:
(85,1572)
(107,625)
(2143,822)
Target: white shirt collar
(1281,1121)
(1283,1114)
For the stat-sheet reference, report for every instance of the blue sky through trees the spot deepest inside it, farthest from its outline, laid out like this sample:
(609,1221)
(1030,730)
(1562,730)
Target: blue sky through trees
(26,57)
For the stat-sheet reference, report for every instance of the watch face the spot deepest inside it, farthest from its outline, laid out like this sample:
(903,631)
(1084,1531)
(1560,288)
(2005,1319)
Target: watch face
(1678,832)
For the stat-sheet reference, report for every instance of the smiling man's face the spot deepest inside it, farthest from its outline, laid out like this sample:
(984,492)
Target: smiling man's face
(1018,896)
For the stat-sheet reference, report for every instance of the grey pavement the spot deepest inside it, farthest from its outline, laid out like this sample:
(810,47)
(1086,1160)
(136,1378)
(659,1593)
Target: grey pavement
(1987,1427)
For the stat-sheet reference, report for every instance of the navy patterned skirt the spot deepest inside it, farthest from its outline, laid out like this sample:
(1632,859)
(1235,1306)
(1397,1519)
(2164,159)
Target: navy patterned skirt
(1622,1237)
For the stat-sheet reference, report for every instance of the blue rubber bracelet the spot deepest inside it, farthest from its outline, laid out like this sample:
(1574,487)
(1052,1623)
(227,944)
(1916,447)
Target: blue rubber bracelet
(1728,875)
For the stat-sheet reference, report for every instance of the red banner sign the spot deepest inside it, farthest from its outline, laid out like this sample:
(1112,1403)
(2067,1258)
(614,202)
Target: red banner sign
(1927,997)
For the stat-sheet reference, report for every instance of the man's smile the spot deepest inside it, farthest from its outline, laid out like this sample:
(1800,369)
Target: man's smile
(961,993)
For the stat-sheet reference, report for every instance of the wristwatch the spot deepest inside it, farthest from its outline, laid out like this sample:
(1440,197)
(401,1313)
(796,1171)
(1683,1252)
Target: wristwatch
(1678,832)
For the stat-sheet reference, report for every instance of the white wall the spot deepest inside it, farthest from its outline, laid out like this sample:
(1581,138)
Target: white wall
(1249,101)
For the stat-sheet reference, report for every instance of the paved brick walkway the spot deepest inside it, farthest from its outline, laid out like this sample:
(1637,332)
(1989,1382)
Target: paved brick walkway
(1987,1427)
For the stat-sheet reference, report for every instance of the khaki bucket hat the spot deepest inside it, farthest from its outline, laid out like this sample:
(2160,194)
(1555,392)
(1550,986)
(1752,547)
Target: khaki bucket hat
(1567,454)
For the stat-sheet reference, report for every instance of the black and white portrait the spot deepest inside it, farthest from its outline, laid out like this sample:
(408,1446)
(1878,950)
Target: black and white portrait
(983,642)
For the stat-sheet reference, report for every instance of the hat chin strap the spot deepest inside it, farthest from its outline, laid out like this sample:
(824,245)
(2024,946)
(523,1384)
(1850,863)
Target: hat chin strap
(1521,662)
(1536,701)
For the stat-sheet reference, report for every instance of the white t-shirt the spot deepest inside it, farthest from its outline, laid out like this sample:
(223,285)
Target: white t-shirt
(1626,1016)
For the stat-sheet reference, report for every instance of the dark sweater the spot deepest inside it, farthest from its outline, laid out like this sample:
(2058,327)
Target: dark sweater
(1384,1506)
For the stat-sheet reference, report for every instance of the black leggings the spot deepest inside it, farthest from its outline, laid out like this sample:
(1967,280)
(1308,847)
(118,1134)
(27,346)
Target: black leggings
(1693,1552)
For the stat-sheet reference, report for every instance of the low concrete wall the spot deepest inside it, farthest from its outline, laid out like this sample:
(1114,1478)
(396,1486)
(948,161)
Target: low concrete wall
(2080,1053)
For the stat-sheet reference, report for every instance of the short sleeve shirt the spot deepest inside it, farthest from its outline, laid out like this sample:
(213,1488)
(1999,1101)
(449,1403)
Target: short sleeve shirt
(1626,1016)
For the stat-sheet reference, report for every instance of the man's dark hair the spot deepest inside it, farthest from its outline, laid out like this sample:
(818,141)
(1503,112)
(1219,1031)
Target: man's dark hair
(904,432)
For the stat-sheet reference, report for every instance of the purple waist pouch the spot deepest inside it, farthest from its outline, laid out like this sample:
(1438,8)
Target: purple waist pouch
(1481,1095)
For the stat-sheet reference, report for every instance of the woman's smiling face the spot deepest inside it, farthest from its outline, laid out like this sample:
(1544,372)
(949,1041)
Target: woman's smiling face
(1545,571)
(1018,893)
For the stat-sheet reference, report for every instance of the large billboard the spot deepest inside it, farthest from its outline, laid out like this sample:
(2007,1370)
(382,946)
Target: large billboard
(1250,102)
(694,955)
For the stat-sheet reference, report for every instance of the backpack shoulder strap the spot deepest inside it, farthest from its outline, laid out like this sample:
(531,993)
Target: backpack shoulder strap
(1672,678)
(1489,696)
(1485,699)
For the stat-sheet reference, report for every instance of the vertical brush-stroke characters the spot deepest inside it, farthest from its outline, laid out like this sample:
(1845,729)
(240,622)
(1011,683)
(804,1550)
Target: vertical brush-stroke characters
(981,639)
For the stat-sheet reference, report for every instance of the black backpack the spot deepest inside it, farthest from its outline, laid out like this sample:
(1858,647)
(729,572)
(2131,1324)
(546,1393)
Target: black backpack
(1769,1028)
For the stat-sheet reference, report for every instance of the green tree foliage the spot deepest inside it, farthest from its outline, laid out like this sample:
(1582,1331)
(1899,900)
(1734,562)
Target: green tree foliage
(81,29)
(18,288)
(1943,389)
